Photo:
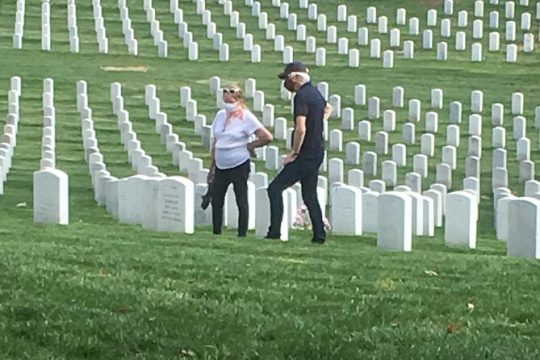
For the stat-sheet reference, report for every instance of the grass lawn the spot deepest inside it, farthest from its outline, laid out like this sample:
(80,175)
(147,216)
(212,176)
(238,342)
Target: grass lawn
(103,290)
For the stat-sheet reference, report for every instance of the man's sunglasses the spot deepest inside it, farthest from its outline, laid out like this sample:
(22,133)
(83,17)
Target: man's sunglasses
(230,91)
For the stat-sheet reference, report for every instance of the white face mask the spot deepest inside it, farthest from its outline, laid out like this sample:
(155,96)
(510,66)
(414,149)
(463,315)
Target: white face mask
(231,107)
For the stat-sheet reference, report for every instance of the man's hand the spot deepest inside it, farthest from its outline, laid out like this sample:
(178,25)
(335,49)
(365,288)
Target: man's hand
(290,158)
(327,112)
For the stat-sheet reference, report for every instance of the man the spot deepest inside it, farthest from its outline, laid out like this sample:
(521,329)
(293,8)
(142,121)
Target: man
(303,162)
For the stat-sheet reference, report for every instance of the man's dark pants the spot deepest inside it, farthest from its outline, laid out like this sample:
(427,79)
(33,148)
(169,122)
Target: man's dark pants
(307,172)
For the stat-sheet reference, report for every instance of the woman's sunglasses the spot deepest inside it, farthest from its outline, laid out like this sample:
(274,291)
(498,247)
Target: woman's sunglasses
(230,91)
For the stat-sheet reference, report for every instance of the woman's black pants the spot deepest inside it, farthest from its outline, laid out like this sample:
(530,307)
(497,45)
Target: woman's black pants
(238,176)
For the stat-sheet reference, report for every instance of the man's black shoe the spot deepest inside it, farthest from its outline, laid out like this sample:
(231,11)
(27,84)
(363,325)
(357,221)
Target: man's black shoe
(272,237)
(318,241)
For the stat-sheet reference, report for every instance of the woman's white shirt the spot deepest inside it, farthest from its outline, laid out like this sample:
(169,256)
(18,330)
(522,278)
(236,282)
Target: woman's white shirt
(232,139)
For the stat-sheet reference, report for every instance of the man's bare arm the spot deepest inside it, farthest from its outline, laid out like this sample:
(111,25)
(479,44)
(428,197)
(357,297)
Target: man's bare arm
(327,111)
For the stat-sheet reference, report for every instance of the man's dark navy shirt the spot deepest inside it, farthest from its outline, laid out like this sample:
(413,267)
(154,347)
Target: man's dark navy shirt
(310,103)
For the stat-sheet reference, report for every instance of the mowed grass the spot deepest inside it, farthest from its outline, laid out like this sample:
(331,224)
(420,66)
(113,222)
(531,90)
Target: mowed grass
(103,290)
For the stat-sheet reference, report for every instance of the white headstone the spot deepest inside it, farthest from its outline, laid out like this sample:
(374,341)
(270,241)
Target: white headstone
(449,156)
(526,170)
(461,41)
(369,211)
(436,197)
(335,170)
(389,172)
(374,111)
(364,130)
(394,221)
(51,197)
(175,205)
(370,163)
(395,38)
(427,144)
(523,228)
(511,53)
(414,181)
(427,39)
(443,175)
(381,143)
(375,48)
(460,220)
(355,178)
(346,213)
(432,122)
(523,149)
(360,94)
(382,24)
(477,101)
(352,153)
(463,18)
(408,49)
(476,52)
(408,132)
(414,110)
(414,26)
(398,94)
(389,120)
(432,17)
(388,59)
(399,154)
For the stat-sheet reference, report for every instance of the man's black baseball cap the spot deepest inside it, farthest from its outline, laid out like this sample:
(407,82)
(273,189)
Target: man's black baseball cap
(295,66)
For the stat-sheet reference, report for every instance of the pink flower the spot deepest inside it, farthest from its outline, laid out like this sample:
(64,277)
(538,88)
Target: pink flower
(303,222)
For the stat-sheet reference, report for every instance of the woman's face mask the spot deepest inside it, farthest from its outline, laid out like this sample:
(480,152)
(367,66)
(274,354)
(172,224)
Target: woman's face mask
(231,107)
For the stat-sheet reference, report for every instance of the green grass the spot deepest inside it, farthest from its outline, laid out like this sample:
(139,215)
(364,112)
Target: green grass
(103,290)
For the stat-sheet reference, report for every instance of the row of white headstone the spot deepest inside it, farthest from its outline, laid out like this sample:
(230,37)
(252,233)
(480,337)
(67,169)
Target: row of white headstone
(18,33)
(187,36)
(8,141)
(181,156)
(401,214)
(48,141)
(99,28)
(157,34)
(129,34)
(50,185)
(375,47)
(288,51)
(149,198)
(72,26)
(414,105)
(375,44)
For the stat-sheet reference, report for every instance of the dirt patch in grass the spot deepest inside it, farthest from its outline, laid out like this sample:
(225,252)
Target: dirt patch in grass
(125,68)
(429,3)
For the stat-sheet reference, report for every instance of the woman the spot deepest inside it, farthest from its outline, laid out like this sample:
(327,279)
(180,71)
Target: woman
(233,128)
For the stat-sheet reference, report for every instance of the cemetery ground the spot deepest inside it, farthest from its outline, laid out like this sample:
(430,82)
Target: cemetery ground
(100,289)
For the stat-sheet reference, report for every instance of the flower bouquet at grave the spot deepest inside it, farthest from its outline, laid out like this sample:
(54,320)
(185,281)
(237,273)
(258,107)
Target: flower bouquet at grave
(302,220)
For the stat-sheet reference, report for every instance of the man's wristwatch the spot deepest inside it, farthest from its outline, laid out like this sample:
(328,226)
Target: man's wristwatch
(295,154)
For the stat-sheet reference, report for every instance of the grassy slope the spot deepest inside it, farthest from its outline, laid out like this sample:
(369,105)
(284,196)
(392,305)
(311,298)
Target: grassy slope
(99,289)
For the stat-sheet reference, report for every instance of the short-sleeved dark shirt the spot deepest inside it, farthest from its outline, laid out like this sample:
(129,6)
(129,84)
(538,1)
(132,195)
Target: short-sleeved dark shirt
(310,103)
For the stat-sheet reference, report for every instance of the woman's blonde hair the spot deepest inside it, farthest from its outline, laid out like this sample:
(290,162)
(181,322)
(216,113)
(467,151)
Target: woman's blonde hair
(238,94)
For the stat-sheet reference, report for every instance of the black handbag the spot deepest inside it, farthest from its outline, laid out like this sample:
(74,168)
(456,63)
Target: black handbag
(206,198)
